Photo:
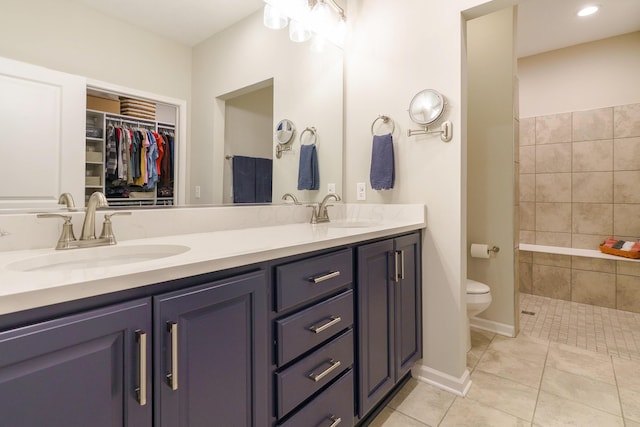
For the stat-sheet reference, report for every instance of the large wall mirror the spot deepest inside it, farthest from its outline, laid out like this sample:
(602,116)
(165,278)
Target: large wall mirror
(237,84)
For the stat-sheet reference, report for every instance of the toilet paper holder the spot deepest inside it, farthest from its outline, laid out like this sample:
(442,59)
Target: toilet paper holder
(494,249)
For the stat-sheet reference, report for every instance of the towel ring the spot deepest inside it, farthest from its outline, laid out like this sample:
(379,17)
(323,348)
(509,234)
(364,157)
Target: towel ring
(385,119)
(313,132)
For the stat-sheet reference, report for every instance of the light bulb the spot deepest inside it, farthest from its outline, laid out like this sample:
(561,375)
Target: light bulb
(298,32)
(322,17)
(589,10)
(273,18)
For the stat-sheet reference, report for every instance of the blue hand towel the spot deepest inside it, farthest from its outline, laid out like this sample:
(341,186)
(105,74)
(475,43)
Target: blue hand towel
(244,179)
(308,172)
(382,174)
(264,179)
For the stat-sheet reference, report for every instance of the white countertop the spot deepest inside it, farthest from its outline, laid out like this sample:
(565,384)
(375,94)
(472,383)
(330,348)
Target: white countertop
(208,251)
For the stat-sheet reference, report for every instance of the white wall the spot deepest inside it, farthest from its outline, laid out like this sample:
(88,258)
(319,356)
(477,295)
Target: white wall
(392,53)
(593,75)
(68,36)
(307,89)
(490,161)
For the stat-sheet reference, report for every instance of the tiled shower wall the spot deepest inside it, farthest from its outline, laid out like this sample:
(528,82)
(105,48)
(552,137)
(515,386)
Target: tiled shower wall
(580,177)
(600,282)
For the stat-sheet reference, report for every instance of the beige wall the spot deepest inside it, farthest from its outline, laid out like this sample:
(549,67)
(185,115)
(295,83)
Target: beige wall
(490,158)
(68,36)
(393,53)
(583,77)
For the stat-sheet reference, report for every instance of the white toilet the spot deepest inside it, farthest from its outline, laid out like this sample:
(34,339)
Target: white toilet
(478,300)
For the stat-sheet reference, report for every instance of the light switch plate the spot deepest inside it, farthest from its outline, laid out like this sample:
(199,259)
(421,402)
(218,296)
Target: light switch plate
(361,191)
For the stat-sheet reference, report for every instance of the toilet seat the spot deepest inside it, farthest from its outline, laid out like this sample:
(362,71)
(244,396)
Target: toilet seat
(477,288)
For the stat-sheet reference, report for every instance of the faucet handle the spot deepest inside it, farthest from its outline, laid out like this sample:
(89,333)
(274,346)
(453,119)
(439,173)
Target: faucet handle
(314,213)
(67,236)
(67,218)
(107,229)
(107,217)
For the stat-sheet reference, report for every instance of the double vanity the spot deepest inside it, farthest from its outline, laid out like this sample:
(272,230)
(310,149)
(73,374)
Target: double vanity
(223,318)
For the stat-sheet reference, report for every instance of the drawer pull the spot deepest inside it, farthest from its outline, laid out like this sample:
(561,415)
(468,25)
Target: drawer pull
(334,320)
(334,421)
(334,365)
(172,377)
(141,391)
(324,277)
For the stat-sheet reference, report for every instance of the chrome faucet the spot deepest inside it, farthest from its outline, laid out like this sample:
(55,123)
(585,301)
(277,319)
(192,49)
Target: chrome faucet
(96,200)
(321,214)
(67,199)
(292,197)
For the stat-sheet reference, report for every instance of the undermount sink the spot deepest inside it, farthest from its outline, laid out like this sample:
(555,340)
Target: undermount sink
(105,256)
(352,224)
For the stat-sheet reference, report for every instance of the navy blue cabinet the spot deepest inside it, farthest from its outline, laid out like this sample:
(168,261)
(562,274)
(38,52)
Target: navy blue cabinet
(242,351)
(81,370)
(389,315)
(314,341)
(211,354)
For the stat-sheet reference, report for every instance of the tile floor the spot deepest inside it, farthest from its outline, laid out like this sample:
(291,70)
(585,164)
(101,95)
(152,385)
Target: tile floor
(599,329)
(547,376)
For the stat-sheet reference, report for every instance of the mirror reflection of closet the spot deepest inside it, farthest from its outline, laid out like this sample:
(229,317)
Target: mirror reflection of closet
(248,131)
(131,183)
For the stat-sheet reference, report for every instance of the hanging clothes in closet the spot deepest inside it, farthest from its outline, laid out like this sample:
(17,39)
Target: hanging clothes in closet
(137,160)
(166,164)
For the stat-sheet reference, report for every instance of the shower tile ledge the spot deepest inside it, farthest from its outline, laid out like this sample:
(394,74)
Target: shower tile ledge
(588,253)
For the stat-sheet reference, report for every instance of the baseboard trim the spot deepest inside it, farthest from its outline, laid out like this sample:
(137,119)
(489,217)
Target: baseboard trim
(458,386)
(491,326)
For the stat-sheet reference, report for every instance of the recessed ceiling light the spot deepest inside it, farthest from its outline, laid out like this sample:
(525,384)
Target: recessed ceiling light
(588,10)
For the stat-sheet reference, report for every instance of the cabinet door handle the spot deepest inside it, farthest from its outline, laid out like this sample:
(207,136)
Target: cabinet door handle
(334,320)
(141,391)
(399,266)
(395,277)
(324,277)
(334,421)
(334,365)
(172,376)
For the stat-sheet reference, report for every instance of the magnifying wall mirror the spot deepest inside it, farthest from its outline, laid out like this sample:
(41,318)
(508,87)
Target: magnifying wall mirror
(425,108)
(285,132)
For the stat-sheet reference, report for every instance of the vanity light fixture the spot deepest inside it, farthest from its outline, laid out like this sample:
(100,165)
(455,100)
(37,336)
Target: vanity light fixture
(307,17)
(588,10)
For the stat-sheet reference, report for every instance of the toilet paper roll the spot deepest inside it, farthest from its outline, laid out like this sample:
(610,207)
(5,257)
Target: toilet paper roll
(479,251)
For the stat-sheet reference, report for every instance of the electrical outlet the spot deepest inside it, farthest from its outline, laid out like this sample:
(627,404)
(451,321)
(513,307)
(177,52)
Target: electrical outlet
(197,191)
(331,188)
(361,191)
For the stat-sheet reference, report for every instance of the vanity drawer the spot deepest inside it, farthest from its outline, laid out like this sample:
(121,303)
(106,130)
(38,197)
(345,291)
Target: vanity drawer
(308,376)
(306,279)
(308,328)
(333,407)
